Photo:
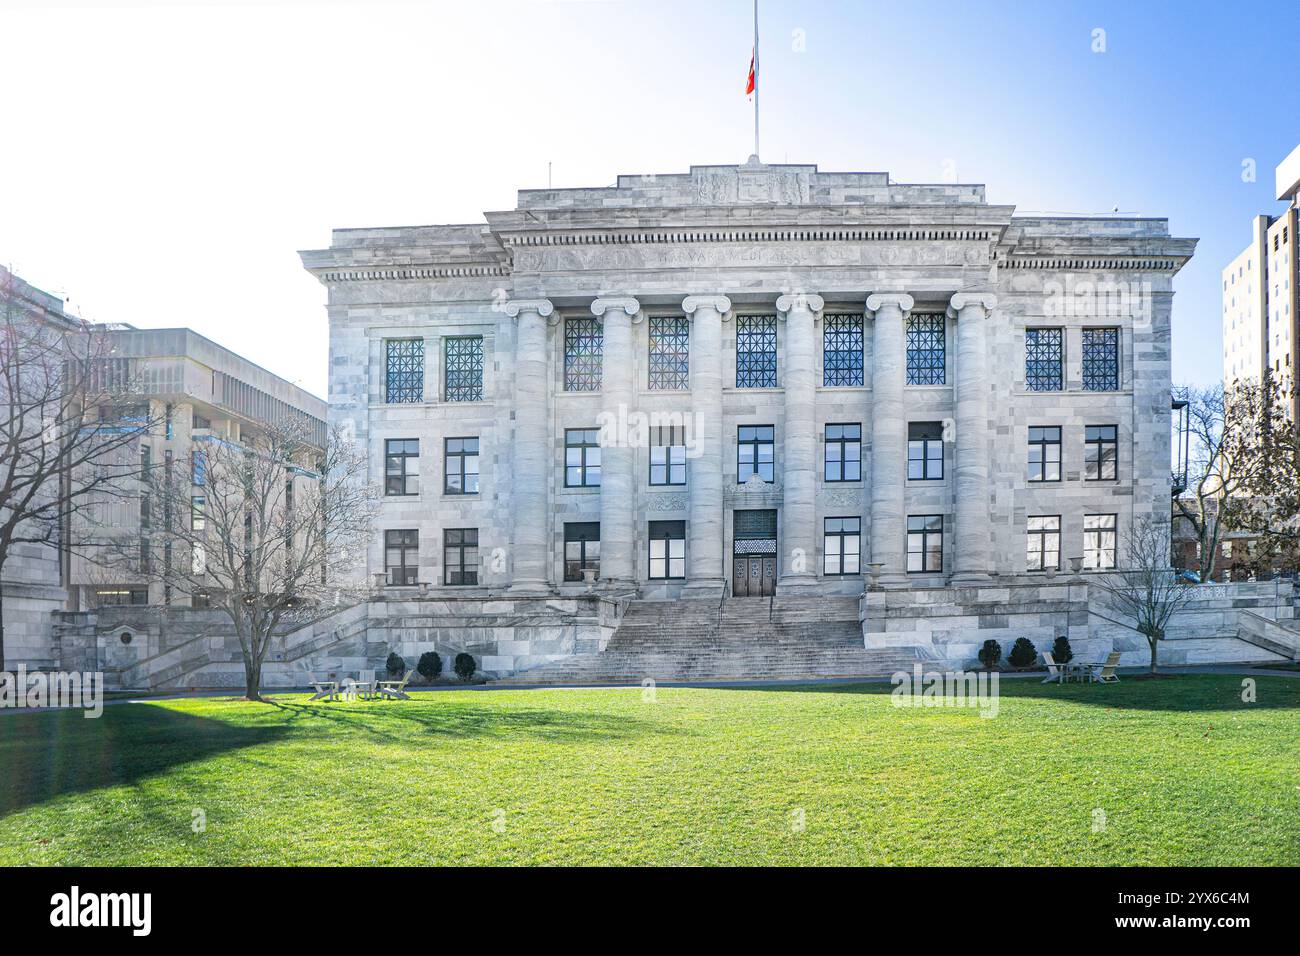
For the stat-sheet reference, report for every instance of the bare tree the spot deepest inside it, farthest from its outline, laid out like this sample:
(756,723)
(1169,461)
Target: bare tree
(1244,469)
(61,434)
(1145,588)
(271,530)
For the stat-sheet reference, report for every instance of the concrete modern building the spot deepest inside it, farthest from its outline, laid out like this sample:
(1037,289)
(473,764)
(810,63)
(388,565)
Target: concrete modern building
(1261,308)
(191,391)
(764,378)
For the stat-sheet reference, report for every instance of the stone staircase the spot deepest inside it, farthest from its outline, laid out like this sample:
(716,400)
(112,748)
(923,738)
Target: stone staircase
(783,638)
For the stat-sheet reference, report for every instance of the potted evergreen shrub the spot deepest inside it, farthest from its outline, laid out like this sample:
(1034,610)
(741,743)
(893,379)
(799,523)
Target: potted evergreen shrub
(429,666)
(990,654)
(1023,653)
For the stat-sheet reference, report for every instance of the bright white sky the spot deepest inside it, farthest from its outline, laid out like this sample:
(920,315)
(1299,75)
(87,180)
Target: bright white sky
(163,162)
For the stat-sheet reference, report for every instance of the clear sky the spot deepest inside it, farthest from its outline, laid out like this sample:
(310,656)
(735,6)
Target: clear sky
(162,162)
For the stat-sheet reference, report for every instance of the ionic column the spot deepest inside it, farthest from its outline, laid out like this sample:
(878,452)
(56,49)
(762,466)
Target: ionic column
(973,530)
(799,440)
(618,459)
(704,558)
(888,436)
(532,448)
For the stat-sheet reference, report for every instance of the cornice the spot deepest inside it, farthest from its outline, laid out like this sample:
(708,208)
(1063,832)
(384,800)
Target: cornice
(652,236)
(344,274)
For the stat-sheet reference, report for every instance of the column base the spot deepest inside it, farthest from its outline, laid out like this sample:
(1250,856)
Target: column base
(796,584)
(893,581)
(708,589)
(970,579)
(530,589)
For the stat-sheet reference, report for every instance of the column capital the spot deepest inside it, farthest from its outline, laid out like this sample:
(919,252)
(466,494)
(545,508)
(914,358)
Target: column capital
(879,300)
(962,301)
(800,302)
(719,303)
(625,302)
(542,307)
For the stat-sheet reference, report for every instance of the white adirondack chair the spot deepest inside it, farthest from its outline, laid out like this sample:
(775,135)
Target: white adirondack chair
(1054,672)
(395,689)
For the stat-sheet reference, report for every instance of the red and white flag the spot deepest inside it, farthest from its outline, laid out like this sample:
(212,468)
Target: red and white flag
(749,84)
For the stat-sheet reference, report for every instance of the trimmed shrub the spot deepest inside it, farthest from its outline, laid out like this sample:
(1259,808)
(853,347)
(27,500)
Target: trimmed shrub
(395,664)
(1023,653)
(465,666)
(990,653)
(430,665)
(1062,653)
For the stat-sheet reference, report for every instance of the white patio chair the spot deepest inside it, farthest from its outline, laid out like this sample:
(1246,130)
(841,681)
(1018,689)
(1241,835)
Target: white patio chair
(1105,673)
(1054,672)
(328,689)
(395,689)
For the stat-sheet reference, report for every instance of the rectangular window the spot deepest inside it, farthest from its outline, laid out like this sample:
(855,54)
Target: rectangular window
(402,555)
(1099,542)
(1100,360)
(581,549)
(582,457)
(1044,360)
(460,466)
(667,550)
(404,371)
(842,350)
(198,468)
(146,512)
(925,543)
(1044,453)
(926,349)
(1044,545)
(668,455)
(198,519)
(925,451)
(843,459)
(756,351)
(463,369)
(460,556)
(842,546)
(119,597)
(1100,452)
(584,344)
(670,346)
(754,452)
(402,466)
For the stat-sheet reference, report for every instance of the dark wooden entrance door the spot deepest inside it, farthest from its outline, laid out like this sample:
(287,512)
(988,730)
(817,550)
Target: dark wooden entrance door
(753,575)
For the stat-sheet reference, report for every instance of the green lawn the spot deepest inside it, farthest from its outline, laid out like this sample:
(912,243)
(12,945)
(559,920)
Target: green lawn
(1185,772)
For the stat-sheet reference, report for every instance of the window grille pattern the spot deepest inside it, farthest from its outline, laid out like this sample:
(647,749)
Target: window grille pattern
(463,375)
(584,344)
(670,344)
(404,380)
(1043,360)
(926,349)
(842,350)
(1100,360)
(756,351)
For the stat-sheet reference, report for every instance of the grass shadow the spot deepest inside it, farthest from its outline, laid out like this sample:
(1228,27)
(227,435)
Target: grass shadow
(395,720)
(47,755)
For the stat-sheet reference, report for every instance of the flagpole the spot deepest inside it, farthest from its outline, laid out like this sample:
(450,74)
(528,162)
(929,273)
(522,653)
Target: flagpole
(756,72)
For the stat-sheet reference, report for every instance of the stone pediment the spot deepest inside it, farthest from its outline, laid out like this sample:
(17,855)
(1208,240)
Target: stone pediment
(751,185)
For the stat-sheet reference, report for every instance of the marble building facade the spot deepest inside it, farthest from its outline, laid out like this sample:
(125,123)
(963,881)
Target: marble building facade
(752,379)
